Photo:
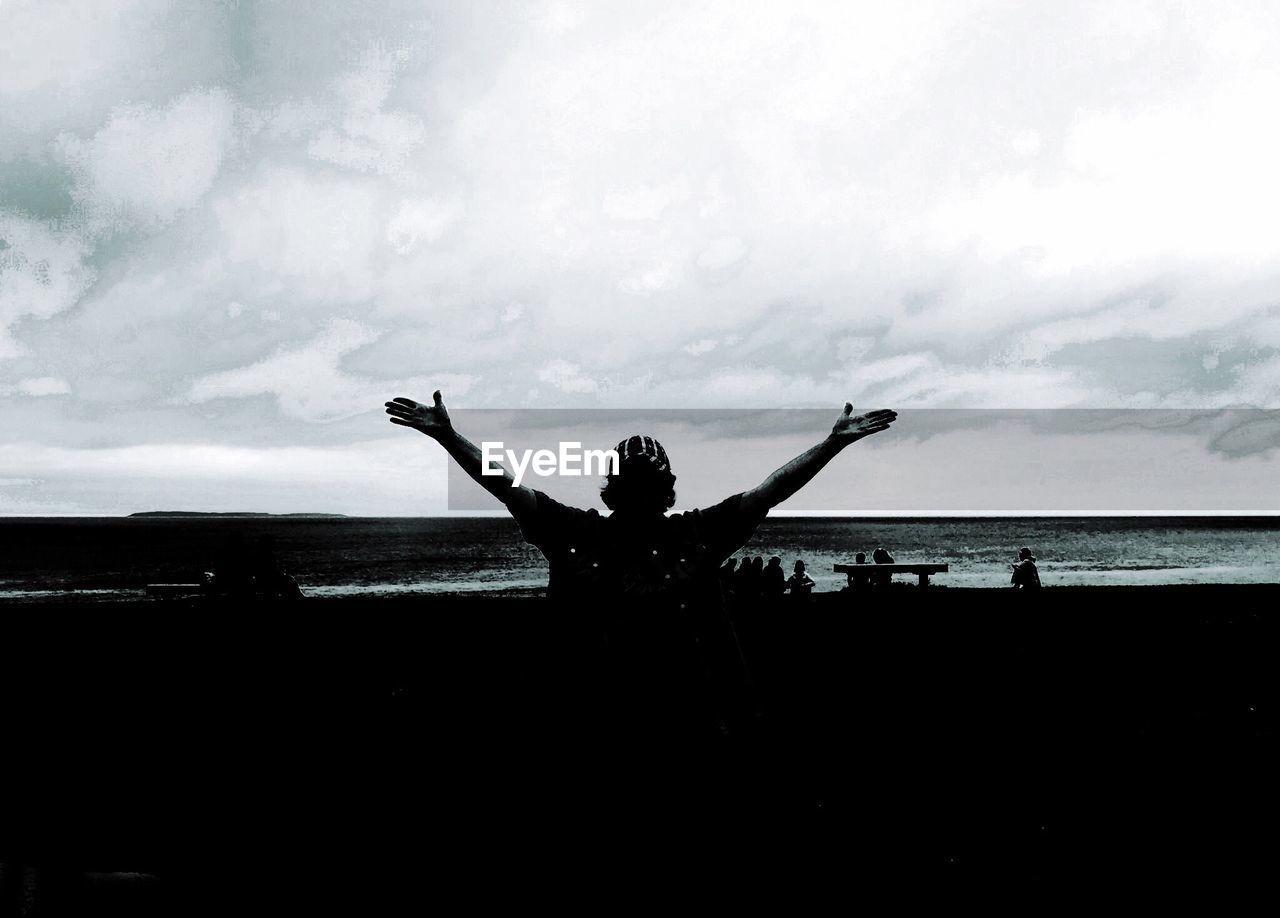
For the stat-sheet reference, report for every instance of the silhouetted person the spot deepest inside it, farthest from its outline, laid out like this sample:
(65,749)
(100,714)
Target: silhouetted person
(881,579)
(773,582)
(1025,574)
(232,572)
(727,578)
(643,587)
(855,582)
(270,580)
(800,584)
(747,582)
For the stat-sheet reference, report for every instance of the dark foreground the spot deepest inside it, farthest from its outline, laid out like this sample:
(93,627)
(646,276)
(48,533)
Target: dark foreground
(383,754)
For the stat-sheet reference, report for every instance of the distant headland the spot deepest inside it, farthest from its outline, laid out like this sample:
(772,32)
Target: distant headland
(152,514)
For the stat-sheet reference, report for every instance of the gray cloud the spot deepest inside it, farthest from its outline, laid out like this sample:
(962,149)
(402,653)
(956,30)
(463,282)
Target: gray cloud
(238,223)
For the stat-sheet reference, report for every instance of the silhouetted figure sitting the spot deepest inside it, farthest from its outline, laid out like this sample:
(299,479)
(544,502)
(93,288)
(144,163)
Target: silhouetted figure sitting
(747,581)
(1025,574)
(728,579)
(773,583)
(800,584)
(881,579)
(857,582)
(269,578)
(232,575)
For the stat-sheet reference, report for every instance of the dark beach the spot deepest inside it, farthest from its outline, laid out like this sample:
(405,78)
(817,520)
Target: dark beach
(301,753)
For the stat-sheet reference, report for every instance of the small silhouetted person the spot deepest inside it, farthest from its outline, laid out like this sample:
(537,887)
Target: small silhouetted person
(857,581)
(773,582)
(729,580)
(270,580)
(746,582)
(800,584)
(232,575)
(1025,574)
(881,579)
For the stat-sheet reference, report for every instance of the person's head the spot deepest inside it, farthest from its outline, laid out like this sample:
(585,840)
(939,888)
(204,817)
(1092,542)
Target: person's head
(775,561)
(799,568)
(758,563)
(1025,555)
(731,564)
(880,556)
(644,482)
(860,558)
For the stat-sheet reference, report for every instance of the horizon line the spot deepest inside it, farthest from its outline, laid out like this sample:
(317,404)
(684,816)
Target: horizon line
(817,514)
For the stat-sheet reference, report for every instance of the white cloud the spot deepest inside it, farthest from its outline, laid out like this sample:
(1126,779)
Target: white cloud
(656,278)
(317,234)
(64,46)
(369,139)
(1026,142)
(644,202)
(722,254)
(392,475)
(308,381)
(42,273)
(43,385)
(420,221)
(567,377)
(147,165)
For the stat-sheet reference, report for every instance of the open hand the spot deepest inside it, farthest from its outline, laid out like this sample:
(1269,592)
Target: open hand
(432,420)
(849,428)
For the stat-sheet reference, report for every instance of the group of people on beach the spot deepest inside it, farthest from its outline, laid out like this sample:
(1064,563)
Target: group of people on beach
(752,578)
(872,579)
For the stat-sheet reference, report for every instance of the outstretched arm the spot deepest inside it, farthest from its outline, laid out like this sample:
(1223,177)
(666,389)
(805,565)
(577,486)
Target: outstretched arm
(433,420)
(800,471)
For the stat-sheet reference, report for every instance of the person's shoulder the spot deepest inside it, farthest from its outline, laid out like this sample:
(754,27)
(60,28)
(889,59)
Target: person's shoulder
(550,521)
(546,502)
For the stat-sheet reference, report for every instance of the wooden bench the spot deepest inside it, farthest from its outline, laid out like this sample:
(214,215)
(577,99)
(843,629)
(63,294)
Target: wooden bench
(870,570)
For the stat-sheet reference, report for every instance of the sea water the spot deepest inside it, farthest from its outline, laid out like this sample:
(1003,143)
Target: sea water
(111,558)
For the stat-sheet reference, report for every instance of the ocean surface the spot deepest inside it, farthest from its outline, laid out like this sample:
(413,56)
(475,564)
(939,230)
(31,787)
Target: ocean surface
(115,558)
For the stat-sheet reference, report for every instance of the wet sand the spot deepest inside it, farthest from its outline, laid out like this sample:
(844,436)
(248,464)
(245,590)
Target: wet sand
(374,749)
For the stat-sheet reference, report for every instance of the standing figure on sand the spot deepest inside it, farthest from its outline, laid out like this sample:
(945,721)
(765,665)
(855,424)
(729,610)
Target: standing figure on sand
(774,582)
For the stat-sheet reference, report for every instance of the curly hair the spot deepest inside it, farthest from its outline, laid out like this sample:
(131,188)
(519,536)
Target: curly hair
(639,486)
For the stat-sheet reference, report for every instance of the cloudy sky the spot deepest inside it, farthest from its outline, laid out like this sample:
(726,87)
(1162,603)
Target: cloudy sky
(229,231)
